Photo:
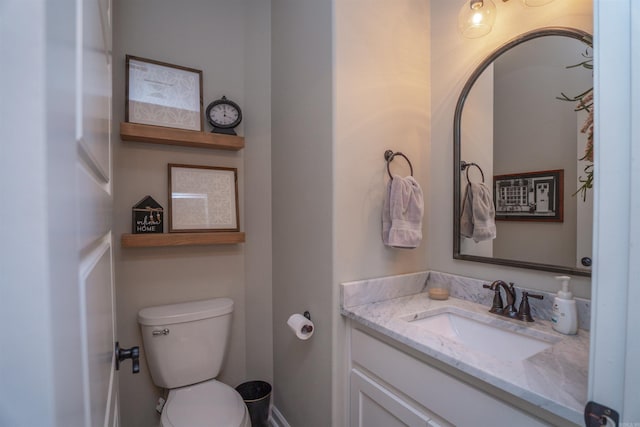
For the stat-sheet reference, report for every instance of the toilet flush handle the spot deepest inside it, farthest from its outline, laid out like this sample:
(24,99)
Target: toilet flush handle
(132,353)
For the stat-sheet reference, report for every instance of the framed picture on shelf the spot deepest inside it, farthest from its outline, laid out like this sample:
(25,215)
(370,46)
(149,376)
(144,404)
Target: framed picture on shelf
(162,94)
(530,196)
(203,198)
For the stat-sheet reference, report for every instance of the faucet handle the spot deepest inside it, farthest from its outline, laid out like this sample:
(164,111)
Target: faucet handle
(497,306)
(524,312)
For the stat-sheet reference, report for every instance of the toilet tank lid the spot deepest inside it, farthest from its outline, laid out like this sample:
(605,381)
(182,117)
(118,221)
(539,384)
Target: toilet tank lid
(185,312)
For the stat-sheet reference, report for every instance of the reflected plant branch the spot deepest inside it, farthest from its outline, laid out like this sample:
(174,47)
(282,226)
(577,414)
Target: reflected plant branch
(584,102)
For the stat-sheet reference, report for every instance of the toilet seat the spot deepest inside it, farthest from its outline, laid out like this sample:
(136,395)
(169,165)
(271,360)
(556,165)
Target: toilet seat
(206,404)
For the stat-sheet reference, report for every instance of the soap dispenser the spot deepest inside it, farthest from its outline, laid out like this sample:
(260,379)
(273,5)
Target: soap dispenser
(565,314)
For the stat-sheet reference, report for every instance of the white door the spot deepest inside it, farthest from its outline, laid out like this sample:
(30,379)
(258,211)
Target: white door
(96,285)
(614,371)
(57,305)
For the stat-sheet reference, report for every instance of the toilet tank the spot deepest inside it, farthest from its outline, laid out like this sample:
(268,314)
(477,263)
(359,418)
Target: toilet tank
(185,343)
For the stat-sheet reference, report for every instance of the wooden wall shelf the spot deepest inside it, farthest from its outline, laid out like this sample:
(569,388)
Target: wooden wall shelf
(181,239)
(171,136)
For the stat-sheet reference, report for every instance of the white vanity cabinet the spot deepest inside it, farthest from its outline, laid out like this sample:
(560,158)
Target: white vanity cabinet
(389,387)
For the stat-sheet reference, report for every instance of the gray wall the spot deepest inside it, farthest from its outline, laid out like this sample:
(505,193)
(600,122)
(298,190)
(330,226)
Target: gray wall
(257,162)
(381,102)
(332,122)
(302,174)
(228,40)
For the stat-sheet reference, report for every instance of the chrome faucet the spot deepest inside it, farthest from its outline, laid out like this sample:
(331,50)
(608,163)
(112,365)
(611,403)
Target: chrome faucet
(523,313)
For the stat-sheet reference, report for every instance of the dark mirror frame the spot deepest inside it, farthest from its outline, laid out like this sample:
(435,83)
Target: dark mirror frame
(543,32)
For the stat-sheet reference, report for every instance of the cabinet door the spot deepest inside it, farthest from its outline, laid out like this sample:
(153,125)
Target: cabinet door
(374,406)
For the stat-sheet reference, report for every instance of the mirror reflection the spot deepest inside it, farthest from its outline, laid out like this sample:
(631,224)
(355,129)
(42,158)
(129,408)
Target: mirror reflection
(527,142)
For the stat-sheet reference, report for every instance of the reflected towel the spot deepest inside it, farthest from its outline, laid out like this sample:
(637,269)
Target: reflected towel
(402,212)
(478,213)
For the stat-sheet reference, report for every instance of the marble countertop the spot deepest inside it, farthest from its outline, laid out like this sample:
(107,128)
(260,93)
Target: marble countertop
(554,379)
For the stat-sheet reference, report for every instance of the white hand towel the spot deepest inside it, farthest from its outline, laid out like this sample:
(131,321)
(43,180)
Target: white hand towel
(466,217)
(402,212)
(477,220)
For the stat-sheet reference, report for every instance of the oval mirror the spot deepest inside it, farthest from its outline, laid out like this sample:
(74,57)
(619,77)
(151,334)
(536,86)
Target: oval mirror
(513,130)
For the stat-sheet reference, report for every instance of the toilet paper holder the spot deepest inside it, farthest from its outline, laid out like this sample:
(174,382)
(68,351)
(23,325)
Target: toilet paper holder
(307,329)
(301,325)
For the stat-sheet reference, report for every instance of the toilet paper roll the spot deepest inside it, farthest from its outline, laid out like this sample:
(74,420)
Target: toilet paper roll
(301,326)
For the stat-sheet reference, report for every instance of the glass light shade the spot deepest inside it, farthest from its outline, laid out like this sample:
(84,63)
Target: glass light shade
(476,18)
(536,3)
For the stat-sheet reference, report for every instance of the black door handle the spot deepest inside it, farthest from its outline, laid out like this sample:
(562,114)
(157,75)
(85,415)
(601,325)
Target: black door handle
(132,353)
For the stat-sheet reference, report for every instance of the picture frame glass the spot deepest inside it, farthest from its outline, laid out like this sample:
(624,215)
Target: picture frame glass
(530,196)
(202,198)
(162,94)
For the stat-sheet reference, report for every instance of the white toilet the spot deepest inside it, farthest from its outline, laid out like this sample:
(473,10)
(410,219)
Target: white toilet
(185,346)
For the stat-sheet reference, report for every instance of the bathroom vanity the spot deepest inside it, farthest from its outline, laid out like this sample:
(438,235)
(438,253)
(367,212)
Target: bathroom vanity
(421,362)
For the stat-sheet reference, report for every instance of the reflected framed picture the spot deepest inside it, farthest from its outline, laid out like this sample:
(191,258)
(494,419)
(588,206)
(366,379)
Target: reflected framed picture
(162,94)
(530,196)
(203,198)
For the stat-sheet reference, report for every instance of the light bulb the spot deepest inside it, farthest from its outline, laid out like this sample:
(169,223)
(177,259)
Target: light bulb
(536,3)
(476,18)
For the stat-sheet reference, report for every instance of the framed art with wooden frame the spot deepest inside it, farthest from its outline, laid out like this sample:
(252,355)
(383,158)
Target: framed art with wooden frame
(203,198)
(162,94)
(530,196)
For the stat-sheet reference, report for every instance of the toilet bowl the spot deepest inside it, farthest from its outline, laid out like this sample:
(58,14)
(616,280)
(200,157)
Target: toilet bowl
(185,345)
(198,405)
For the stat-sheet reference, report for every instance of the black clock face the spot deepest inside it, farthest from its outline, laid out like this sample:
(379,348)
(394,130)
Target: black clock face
(224,114)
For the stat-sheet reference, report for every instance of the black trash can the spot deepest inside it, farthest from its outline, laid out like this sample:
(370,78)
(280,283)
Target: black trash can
(257,396)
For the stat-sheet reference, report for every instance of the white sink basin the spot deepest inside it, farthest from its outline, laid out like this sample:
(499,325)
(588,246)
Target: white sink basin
(489,338)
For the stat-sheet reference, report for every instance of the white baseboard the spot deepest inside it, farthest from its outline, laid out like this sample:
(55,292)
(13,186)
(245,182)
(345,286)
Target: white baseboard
(277,419)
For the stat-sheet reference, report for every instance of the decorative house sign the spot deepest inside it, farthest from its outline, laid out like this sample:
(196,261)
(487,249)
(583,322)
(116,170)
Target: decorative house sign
(148,217)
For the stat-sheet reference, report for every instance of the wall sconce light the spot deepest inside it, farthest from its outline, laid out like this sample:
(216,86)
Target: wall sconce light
(476,18)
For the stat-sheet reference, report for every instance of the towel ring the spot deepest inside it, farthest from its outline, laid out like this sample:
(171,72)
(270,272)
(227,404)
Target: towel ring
(465,166)
(389,155)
